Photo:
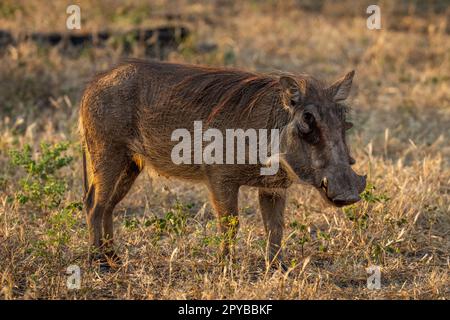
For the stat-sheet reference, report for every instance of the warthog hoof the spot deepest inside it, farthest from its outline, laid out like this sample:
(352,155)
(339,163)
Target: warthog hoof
(278,265)
(106,261)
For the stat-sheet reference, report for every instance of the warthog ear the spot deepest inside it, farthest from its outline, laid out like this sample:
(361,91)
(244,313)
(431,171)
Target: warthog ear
(293,90)
(340,89)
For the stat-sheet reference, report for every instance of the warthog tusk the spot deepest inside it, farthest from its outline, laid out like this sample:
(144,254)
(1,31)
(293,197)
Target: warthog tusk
(325,182)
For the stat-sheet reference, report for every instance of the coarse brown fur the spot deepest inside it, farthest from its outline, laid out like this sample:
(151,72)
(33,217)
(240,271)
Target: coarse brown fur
(128,114)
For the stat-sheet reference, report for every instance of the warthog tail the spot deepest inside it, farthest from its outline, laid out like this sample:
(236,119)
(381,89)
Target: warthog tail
(85,175)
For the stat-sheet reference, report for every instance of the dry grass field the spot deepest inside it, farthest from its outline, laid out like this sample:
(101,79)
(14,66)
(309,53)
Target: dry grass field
(165,229)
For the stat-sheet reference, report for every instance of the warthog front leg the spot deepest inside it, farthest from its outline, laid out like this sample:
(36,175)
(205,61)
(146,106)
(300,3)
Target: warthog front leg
(224,198)
(272,203)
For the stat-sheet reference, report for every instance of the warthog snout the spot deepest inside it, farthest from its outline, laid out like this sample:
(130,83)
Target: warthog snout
(342,187)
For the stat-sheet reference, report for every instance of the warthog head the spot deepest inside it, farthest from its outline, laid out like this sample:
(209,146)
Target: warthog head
(313,144)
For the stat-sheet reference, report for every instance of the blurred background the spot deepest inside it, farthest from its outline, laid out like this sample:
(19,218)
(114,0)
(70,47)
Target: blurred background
(403,68)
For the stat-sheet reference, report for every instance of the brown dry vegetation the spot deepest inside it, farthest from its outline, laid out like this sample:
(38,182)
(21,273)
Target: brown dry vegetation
(400,107)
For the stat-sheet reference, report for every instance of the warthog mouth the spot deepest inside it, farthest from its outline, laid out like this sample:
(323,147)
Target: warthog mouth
(337,202)
(323,190)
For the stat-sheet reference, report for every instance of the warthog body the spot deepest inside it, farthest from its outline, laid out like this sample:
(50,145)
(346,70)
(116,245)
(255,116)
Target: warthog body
(129,113)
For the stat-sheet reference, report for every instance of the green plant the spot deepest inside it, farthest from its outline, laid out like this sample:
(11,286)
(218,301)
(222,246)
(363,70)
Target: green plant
(3,183)
(356,214)
(370,196)
(379,249)
(131,223)
(301,233)
(231,224)
(42,187)
(61,224)
(174,221)
(324,238)
(212,240)
(60,229)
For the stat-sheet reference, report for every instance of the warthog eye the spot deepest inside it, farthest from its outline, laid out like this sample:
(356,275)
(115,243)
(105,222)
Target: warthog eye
(308,118)
(307,128)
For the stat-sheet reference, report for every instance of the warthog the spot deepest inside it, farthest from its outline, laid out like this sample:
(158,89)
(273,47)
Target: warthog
(128,114)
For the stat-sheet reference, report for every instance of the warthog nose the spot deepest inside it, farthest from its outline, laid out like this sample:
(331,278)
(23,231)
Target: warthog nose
(345,201)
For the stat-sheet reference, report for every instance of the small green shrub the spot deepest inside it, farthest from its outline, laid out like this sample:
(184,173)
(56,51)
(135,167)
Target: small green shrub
(301,233)
(60,230)
(174,222)
(324,240)
(131,223)
(211,241)
(42,187)
(356,214)
(370,196)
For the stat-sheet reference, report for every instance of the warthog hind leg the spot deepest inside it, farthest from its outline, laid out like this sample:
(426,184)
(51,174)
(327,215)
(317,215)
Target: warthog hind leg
(113,174)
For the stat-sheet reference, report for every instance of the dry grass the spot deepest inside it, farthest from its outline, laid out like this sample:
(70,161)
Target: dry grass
(401,111)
